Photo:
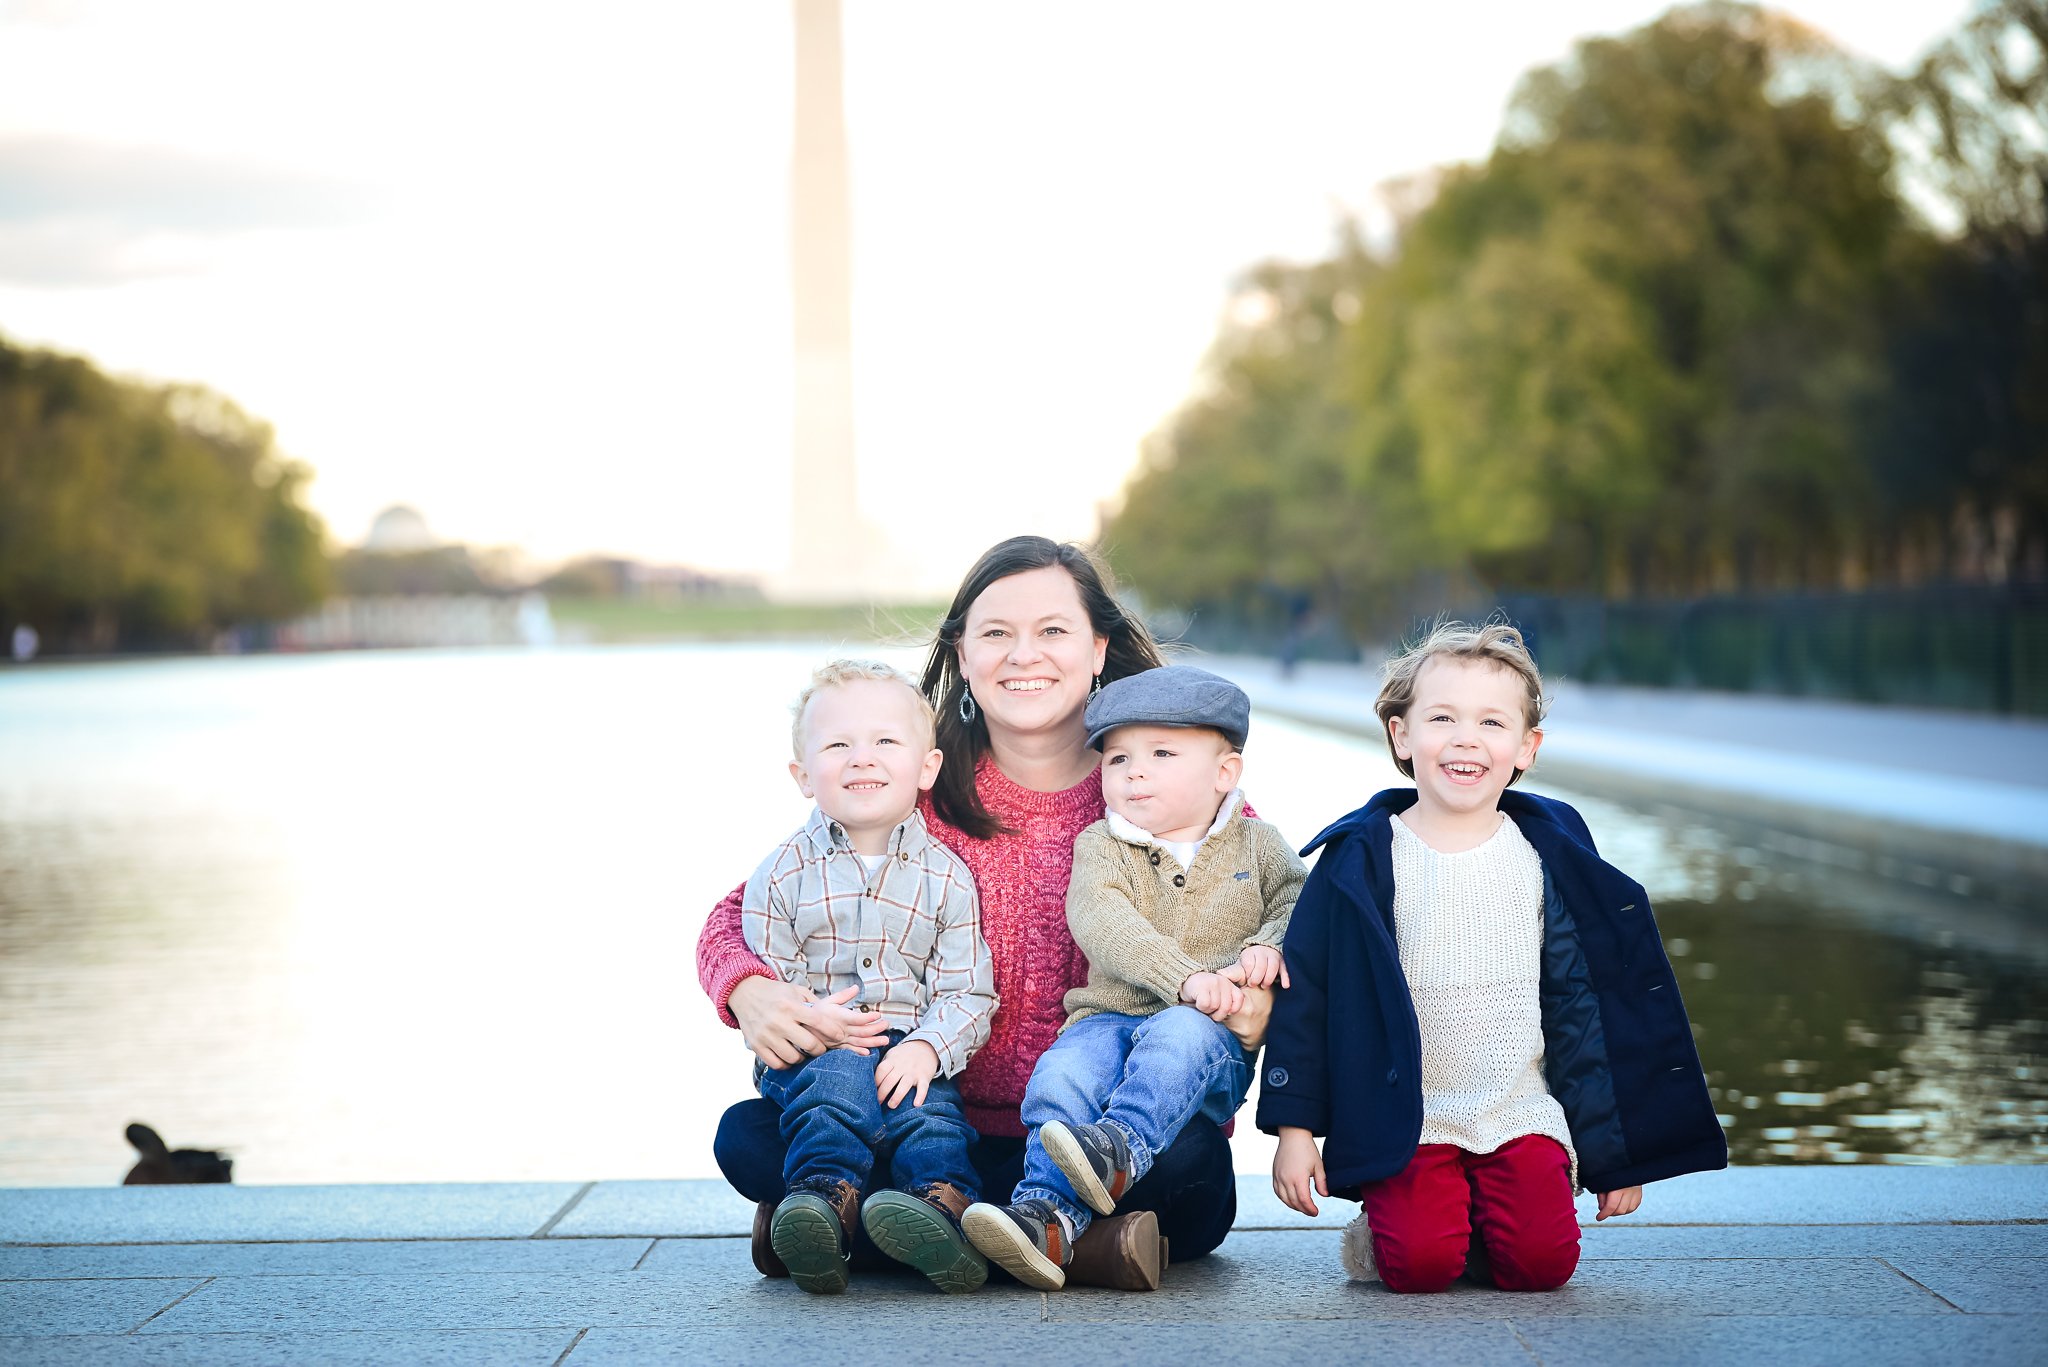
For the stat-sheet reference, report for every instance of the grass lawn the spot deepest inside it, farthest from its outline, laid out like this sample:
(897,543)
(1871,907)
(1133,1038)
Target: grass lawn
(624,619)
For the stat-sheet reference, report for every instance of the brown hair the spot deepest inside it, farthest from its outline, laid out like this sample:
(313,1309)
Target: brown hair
(1131,650)
(1495,643)
(836,672)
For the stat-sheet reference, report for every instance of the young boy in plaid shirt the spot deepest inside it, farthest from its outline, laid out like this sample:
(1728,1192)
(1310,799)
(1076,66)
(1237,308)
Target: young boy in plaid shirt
(864,907)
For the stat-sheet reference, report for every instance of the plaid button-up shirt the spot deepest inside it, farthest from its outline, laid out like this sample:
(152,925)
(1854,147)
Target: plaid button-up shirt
(909,935)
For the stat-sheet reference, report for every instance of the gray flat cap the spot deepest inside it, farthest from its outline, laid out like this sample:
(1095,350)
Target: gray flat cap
(1176,695)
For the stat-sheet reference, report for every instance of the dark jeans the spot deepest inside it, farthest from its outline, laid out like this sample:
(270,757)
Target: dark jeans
(1191,1187)
(835,1126)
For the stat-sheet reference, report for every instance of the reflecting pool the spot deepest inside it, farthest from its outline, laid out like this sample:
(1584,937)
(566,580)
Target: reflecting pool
(429,916)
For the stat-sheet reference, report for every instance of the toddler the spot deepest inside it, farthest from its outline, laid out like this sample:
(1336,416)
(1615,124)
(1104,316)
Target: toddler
(862,905)
(1482,1017)
(1179,900)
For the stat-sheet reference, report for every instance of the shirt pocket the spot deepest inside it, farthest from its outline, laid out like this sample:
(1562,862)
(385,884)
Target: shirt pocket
(916,937)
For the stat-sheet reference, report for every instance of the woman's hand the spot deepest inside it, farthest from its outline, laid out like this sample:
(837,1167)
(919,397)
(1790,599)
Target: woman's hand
(1250,1020)
(1262,966)
(1298,1176)
(784,1024)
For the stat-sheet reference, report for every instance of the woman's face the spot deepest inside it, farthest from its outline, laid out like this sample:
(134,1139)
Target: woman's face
(1029,653)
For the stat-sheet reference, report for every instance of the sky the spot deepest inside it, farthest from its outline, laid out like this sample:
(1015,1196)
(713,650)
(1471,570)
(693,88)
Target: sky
(524,266)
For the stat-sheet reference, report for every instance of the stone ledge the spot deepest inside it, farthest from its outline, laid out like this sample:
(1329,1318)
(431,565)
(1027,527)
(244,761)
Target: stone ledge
(1861,1194)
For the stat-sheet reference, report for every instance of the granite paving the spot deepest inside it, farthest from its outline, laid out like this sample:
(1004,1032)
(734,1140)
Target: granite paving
(409,1257)
(100,1215)
(1678,1339)
(511,1347)
(1861,1266)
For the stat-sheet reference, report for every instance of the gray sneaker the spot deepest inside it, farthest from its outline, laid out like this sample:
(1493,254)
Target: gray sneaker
(1026,1240)
(1094,1158)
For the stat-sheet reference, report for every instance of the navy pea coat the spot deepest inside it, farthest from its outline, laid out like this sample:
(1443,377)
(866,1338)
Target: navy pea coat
(1344,1056)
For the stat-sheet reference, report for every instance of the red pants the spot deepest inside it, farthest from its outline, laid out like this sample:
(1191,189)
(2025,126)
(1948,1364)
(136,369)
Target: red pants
(1519,1198)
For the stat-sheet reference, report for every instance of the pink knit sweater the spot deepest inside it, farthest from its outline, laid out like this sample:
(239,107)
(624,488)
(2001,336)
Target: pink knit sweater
(1022,878)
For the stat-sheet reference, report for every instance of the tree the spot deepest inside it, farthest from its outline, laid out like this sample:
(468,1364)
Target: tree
(134,515)
(1652,345)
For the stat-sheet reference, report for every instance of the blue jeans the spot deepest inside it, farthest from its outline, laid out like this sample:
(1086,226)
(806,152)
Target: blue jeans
(834,1125)
(1147,1075)
(1190,1188)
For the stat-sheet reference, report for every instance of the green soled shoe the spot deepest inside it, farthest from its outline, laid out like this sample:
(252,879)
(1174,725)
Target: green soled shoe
(920,1232)
(807,1236)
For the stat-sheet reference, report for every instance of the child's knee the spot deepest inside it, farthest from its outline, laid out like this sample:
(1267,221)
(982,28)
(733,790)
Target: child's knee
(838,1077)
(841,1068)
(1187,1030)
(1533,1264)
(1065,1085)
(1419,1267)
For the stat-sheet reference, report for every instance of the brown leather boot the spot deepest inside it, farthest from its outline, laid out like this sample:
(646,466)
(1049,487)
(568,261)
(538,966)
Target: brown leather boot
(765,1261)
(1122,1252)
(946,1197)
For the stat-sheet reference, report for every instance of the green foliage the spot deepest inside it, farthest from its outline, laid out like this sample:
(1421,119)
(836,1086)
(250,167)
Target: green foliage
(143,516)
(740,618)
(1680,333)
(590,576)
(1979,105)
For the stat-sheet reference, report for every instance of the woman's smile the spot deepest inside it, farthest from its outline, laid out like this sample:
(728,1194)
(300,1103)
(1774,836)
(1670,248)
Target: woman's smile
(1029,653)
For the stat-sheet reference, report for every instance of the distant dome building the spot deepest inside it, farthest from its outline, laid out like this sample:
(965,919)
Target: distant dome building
(400,528)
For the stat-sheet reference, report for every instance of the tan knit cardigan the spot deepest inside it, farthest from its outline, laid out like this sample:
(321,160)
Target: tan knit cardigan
(1146,925)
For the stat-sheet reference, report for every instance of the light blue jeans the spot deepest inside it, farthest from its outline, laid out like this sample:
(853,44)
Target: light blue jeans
(1146,1075)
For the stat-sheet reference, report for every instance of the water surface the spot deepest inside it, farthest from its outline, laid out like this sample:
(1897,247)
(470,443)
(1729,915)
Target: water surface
(430,916)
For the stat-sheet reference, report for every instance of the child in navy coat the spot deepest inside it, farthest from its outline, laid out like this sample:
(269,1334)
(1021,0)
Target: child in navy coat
(1482,1019)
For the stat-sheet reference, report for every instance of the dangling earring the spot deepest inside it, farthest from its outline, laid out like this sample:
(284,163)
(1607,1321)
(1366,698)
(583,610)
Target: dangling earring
(967,708)
(1097,688)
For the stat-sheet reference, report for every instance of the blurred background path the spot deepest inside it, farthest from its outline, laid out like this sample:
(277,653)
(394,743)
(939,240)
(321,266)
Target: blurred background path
(1963,789)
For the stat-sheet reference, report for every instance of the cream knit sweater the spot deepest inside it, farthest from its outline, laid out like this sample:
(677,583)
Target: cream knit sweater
(1470,931)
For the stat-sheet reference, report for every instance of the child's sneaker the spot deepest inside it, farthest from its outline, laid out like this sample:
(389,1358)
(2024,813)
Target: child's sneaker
(810,1231)
(1027,1240)
(1095,1158)
(921,1228)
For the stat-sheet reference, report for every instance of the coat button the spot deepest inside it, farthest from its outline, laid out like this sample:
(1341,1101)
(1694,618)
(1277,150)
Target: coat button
(1393,1076)
(1155,859)
(904,855)
(1276,1078)
(1180,880)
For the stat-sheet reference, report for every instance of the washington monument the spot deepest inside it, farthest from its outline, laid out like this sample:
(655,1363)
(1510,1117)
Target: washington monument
(828,555)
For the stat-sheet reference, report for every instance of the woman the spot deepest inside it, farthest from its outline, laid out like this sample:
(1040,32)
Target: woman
(1033,630)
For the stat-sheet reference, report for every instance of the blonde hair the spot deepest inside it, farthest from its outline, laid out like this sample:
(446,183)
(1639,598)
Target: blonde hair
(836,672)
(1494,643)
